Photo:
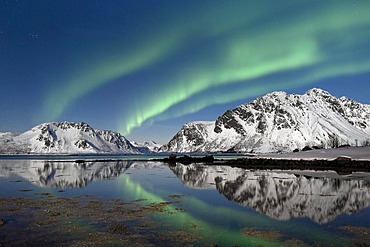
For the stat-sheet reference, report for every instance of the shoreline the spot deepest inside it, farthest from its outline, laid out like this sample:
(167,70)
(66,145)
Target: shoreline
(343,160)
(341,164)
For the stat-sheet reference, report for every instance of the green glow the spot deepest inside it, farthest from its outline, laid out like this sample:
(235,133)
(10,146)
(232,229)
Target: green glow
(257,40)
(131,58)
(106,71)
(290,47)
(234,70)
(219,232)
(199,102)
(185,220)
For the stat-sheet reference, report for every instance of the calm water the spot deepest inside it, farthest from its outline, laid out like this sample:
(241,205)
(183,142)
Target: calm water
(229,206)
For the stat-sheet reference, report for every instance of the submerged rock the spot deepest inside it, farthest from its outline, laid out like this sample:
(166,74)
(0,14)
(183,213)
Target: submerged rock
(117,229)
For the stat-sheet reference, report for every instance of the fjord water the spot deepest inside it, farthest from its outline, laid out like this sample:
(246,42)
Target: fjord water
(221,205)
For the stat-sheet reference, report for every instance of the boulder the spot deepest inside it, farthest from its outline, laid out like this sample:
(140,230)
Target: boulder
(306,148)
(172,156)
(343,158)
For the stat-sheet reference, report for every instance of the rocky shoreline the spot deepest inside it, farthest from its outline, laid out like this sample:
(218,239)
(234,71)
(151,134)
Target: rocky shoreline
(340,164)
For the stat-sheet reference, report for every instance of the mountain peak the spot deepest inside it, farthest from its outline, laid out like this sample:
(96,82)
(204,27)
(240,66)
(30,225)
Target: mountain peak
(317,91)
(276,94)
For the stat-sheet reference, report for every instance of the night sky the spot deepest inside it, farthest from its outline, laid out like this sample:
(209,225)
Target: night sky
(144,68)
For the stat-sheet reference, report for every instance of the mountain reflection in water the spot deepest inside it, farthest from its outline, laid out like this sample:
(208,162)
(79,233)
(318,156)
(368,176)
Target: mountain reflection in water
(283,195)
(63,174)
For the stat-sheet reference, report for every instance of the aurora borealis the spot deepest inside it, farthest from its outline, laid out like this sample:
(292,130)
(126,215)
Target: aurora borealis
(144,68)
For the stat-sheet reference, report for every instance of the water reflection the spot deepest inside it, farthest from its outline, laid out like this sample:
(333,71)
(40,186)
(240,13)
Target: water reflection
(283,195)
(62,174)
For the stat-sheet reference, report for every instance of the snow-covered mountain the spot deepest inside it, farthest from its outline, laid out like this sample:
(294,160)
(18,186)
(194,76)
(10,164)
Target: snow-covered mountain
(283,195)
(278,122)
(65,138)
(147,146)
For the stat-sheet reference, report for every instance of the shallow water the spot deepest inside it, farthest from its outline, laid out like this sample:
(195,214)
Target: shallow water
(151,203)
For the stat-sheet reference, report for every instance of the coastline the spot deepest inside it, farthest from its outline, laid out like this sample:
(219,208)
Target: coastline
(348,159)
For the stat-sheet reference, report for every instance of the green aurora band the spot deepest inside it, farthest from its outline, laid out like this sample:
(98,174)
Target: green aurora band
(199,102)
(151,49)
(250,57)
(101,73)
(258,41)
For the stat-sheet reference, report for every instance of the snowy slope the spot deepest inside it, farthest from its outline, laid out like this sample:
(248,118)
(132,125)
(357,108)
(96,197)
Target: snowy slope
(66,138)
(147,146)
(278,122)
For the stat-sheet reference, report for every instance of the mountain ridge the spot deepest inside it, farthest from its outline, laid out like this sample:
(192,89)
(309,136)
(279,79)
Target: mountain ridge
(275,122)
(65,138)
(278,122)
